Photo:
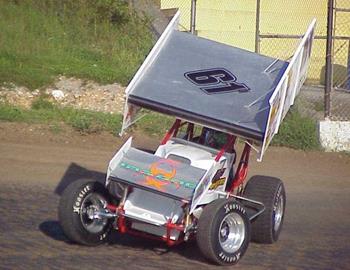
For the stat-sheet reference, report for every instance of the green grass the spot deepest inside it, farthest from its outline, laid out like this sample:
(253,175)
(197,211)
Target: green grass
(319,106)
(297,132)
(100,40)
(44,112)
(154,124)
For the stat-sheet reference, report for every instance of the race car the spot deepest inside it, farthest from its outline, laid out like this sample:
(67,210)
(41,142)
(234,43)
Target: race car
(193,185)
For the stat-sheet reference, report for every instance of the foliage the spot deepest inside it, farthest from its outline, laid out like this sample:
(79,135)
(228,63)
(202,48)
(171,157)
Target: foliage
(42,103)
(297,132)
(154,124)
(43,111)
(100,40)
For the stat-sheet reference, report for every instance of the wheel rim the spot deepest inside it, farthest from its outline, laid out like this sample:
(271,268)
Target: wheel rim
(91,204)
(278,213)
(232,232)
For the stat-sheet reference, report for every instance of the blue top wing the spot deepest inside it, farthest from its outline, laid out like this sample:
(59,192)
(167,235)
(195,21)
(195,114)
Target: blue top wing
(210,83)
(217,85)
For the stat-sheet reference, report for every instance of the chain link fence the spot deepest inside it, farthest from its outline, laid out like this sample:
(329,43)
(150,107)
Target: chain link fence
(183,6)
(274,28)
(281,25)
(340,96)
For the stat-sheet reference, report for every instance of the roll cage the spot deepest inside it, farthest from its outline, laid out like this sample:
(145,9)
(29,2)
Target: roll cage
(235,180)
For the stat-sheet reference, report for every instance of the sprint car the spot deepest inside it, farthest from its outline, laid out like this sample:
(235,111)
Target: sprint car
(193,186)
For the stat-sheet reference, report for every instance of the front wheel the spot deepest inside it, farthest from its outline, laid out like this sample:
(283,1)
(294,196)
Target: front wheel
(78,203)
(223,232)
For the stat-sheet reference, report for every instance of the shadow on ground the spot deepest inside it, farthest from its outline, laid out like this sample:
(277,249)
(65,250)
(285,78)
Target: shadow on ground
(53,230)
(76,172)
(189,250)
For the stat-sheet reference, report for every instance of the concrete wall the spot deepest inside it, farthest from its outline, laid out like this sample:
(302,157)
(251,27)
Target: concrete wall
(335,135)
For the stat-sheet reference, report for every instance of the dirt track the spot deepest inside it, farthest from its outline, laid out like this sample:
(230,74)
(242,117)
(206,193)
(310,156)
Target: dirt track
(35,165)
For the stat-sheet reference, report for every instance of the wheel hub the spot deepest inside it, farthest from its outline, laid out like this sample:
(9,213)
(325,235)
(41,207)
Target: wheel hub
(91,212)
(278,213)
(224,232)
(92,204)
(232,233)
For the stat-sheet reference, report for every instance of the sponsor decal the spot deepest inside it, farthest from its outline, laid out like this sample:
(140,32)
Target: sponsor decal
(159,177)
(79,199)
(233,206)
(217,183)
(228,258)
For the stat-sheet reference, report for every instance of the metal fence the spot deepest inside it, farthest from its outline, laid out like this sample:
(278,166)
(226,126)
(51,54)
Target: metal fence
(340,96)
(279,35)
(274,28)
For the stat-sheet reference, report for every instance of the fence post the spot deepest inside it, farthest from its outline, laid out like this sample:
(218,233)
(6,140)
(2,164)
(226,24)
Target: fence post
(257,27)
(347,84)
(329,60)
(193,16)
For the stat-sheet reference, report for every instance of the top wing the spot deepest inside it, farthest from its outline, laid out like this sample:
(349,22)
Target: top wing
(212,84)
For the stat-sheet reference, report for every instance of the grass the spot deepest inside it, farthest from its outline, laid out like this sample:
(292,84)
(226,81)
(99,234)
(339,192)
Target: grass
(99,40)
(45,112)
(154,124)
(319,106)
(297,132)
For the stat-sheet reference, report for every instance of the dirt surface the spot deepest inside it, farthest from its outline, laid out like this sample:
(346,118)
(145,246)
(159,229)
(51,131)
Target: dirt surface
(36,164)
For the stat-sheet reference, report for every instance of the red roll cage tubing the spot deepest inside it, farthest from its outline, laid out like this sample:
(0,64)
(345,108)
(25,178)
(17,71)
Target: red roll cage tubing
(242,169)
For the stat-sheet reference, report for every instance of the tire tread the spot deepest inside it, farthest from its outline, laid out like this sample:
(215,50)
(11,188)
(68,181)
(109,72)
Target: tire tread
(207,223)
(263,189)
(65,211)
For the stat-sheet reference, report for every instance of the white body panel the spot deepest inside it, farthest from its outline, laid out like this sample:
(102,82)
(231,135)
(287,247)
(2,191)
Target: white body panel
(199,158)
(151,211)
(204,159)
(152,208)
(117,158)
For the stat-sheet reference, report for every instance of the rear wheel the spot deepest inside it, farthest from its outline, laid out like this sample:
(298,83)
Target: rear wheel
(78,203)
(267,227)
(223,231)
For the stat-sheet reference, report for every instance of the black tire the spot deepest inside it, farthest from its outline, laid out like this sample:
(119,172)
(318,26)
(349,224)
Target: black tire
(76,224)
(267,227)
(214,231)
